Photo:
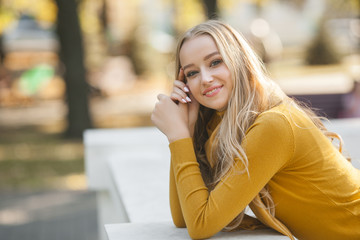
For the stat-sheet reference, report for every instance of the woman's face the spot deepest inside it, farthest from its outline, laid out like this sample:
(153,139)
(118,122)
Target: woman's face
(207,76)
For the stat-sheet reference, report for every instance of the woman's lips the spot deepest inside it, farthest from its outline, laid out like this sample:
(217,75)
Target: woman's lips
(212,91)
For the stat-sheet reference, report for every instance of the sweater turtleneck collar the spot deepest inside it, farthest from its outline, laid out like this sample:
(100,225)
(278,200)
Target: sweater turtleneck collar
(220,113)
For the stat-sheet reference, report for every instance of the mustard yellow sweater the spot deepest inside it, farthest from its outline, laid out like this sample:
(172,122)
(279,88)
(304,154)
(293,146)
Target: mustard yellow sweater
(315,189)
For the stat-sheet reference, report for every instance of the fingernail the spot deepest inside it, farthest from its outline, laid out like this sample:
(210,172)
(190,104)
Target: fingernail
(188,99)
(184,101)
(186,89)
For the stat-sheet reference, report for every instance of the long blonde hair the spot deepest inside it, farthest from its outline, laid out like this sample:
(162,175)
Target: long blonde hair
(253,93)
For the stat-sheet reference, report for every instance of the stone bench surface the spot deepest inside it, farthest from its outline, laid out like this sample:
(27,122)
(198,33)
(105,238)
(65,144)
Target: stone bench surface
(166,231)
(143,184)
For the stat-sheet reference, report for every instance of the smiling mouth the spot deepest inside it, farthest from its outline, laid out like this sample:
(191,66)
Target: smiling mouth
(212,92)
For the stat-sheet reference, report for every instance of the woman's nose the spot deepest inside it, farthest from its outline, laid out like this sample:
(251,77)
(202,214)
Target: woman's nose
(206,76)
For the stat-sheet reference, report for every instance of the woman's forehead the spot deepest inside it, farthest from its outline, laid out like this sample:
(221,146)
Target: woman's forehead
(198,46)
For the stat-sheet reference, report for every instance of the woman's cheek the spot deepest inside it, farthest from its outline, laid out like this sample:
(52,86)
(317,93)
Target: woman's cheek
(193,86)
(194,91)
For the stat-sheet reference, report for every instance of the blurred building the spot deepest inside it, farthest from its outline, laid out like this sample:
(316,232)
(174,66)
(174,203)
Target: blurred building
(30,63)
(26,44)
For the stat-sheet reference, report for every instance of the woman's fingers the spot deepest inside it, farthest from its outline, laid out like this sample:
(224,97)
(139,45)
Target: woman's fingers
(181,75)
(179,95)
(181,85)
(177,98)
(180,90)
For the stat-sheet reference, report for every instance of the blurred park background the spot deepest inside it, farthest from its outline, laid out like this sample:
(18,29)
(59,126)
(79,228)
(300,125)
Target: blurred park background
(67,66)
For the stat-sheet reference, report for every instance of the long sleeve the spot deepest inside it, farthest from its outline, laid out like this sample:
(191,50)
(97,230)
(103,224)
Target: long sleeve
(175,206)
(248,222)
(269,146)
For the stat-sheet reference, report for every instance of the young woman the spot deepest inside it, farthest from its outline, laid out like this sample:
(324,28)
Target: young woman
(237,140)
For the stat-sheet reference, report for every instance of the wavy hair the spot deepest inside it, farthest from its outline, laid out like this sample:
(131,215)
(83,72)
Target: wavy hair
(253,93)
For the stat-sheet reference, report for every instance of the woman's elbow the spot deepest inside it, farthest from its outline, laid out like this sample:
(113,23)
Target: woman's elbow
(179,223)
(197,233)
(194,233)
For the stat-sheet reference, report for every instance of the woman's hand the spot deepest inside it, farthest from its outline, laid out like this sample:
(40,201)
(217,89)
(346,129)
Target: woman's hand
(171,118)
(181,94)
(180,90)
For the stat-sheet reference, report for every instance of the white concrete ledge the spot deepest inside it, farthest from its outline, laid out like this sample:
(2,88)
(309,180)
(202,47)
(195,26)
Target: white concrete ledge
(142,181)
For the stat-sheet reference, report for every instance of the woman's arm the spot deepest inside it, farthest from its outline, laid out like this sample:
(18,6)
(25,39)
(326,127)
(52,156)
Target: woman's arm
(175,116)
(175,207)
(269,145)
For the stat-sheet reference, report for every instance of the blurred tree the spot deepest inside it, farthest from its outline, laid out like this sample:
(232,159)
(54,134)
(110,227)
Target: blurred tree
(2,54)
(72,56)
(321,50)
(211,9)
(103,16)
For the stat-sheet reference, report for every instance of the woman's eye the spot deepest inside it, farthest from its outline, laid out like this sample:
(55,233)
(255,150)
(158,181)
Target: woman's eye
(215,62)
(191,73)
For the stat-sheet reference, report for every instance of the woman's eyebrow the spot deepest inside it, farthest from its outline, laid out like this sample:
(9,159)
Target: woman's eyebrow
(205,58)
(210,55)
(189,65)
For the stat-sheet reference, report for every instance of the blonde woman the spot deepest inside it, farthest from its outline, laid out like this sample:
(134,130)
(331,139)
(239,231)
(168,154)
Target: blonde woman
(237,140)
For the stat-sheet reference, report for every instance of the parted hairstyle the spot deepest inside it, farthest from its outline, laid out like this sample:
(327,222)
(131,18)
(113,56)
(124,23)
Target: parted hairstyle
(253,93)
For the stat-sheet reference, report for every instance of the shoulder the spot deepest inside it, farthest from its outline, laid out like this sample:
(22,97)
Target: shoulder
(271,136)
(276,120)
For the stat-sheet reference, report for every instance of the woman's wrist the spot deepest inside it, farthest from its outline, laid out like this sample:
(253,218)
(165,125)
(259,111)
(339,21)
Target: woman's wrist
(179,135)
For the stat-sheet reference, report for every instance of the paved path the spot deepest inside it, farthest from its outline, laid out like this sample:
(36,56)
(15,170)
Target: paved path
(53,215)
